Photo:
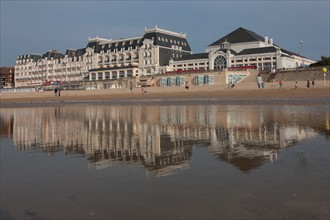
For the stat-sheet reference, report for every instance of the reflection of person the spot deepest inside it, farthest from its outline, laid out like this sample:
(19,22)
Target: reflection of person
(259,82)
(131,87)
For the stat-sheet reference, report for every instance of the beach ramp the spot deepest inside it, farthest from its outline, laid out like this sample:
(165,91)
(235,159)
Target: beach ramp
(146,81)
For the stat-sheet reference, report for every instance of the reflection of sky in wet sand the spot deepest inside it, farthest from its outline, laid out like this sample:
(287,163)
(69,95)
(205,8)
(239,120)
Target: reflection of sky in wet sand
(230,162)
(162,138)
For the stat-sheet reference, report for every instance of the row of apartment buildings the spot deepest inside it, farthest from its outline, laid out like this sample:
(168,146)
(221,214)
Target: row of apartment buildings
(156,52)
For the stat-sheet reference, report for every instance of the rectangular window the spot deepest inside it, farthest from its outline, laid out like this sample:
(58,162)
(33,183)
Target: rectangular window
(209,79)
(180,80)
(171,81)
(163,82)
(200,80)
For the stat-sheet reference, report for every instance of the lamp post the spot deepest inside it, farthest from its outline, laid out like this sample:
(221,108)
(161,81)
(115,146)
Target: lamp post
(302,51)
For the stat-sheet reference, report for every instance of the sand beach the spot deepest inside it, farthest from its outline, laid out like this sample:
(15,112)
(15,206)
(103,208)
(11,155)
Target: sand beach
(243,92)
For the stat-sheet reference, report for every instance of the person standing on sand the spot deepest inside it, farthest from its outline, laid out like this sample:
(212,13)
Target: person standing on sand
(313,82)
(259,82)
(308,84)
(55,91)
(296,85)
(281,83)
(187,85)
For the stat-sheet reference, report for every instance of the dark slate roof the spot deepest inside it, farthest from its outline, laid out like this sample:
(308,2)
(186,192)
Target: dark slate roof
(239,35)
(158,36)
(291,53)
(193,56)
(75,53)
(95,45)
(112,45)
(179,41)
(34,57)
(258,50)
(266,50)
(122,43)
(52,54)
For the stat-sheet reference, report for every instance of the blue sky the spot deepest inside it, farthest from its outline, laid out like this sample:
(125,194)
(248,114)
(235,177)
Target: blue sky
(38,26)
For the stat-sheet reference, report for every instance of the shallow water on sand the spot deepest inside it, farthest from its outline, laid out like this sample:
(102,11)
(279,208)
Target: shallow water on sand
(93,161)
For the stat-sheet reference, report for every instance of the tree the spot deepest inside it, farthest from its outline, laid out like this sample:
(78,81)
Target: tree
(325,61)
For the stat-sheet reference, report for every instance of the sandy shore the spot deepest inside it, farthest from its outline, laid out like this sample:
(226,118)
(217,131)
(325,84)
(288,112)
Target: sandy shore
(201,93)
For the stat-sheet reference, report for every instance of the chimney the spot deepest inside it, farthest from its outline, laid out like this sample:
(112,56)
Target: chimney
(271,41)
(266,39)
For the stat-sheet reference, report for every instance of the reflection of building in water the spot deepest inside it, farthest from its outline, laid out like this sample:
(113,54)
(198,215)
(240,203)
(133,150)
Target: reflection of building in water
(245,137)
(158,137)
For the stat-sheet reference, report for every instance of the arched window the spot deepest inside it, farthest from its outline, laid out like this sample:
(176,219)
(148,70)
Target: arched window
(220,62)
(93,76)
(100,76)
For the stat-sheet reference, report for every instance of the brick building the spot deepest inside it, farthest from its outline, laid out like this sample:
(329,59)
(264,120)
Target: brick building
(7,77)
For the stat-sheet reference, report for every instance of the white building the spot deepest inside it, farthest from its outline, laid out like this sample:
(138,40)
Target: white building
(157,51)
(104,59)
(241,47)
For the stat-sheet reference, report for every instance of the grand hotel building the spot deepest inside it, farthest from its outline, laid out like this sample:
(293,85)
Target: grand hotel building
(156,52)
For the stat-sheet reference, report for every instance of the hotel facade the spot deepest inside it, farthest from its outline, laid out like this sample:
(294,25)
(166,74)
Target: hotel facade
(156,52)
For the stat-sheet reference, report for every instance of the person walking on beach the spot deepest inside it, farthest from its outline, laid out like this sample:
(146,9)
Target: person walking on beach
(313,82)
(187,85)
(281,83)
(308,84)
(259,82)
(55,91)
(296,85)
(59,92)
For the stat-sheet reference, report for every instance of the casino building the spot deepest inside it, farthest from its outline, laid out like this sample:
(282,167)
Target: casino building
(156,52)
(241,47)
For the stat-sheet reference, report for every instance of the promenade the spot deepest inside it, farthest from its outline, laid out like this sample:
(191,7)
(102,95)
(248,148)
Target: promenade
(246,90)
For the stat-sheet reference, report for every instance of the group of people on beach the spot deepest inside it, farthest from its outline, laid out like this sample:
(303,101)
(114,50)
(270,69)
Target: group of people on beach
(309,83)
(261,84)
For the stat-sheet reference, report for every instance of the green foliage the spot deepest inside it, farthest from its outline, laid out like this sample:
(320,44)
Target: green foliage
(325,61)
